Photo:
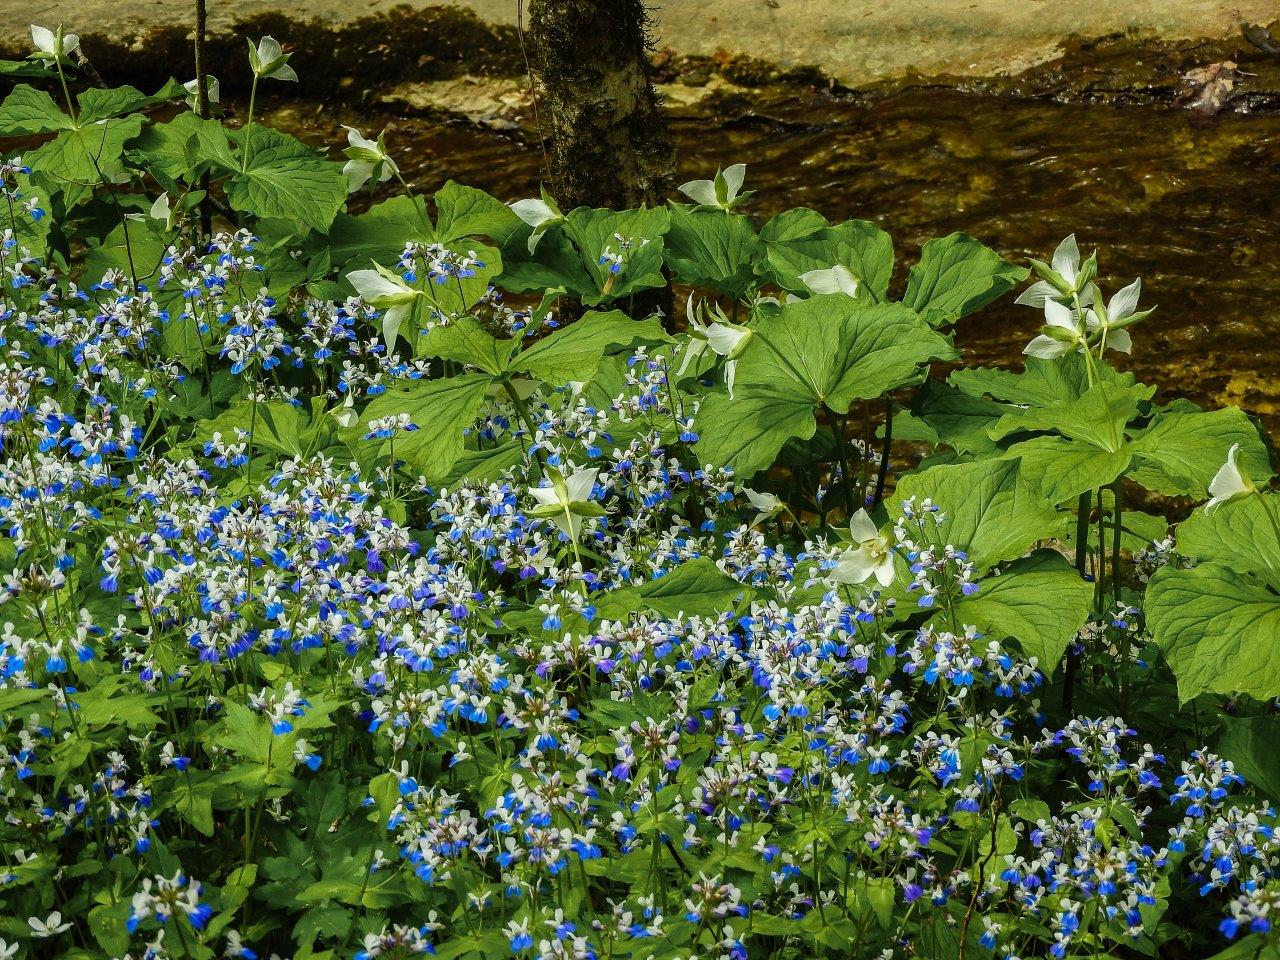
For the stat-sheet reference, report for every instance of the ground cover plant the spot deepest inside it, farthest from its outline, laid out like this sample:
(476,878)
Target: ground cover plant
(356,606)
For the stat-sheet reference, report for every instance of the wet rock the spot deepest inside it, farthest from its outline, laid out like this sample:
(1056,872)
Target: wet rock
(495,103)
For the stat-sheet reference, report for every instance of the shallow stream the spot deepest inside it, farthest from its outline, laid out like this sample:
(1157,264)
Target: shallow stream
(1191,204)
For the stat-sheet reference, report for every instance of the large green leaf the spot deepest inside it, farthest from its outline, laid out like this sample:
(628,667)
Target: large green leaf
(28,110)
(1219,630)
(1097,417)
(595,231)
(81,157)
(990,511)
(1238,535)
(105,103)
(465,341)
(1250,744)
(857,244)
(695,588)
(712,249)
(441,409)
(957,275)
(746,431)
(833,349)
(1063,469)
(957,419)
(1040,601)
(378,234)
(1182,450)
(1041,382)
(573,353)
(287,180)
(468,212)
(182,148)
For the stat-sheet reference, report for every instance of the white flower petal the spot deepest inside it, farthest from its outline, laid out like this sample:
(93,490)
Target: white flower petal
(862,528)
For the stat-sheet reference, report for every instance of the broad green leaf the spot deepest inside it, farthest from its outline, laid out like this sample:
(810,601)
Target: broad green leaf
(105,103)
(183,147)
(468,212)
(712,249)
(857,244)
(1250,744)
(1041,383)
(1063,469)
(695,588)
(287,180)
(1097,417)
(1219,630)
(1040,601)
(465,341)
(990,511)
(746,431)
(957,275)
(1239,535)
(956,418)
(792,225)
(833,350)
(573,353)
(441,409)
(594,232)
(555,264)
(481,466)
(379,234)
(1181,451)
(80,158)
(132,247)
(28,110)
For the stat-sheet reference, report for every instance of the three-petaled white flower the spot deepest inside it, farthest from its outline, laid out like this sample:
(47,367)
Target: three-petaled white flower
(873,555)
(192,87)
(1110,320)
(268,59)
(1064,276)
(1060,335)
(386,291)
(366,160)
(1229,483)
(723,339)
(53,44)
(567,500)
(766,504)
(540,214)
(722,192)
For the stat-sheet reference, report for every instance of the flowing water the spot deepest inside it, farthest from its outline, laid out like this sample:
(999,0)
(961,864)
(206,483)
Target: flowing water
(1190,204)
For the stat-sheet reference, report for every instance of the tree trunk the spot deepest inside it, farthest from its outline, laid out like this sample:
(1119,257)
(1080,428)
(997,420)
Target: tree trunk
(610,143)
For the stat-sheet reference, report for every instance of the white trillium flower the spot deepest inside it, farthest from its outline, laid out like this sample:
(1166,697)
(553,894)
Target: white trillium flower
(873,555)
(1061,334)
(386,291)
(1120,311)
(53,44)
(539,214)
(567,500)
(722,191)
(346,415)
(193,91)
(49,927)
(1229,483)
(268,59)
(837,279)
(723,339)
(7,950)
(1063,276)
(766,504)
(366,160)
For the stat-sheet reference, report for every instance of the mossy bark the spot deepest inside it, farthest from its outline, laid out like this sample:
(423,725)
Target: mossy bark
(609,143)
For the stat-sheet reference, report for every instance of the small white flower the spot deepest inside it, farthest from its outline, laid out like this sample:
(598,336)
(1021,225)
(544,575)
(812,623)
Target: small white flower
(49,927)
(1062,277)
(53,45)
(837,279)
(268,59)
(1229,483)
(723,339)
(720,192)
(1120,312)
(7,950)
(873,555)
(366,160)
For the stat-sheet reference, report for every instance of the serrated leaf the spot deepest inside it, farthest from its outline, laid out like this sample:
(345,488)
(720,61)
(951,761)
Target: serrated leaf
(1181,451)
(287,180)
(468,212)
(957,275)
(442,410)
(1238,535)
(991,511)
(1219,630)
(378,234)
(857,244)
(1063,469)
(1040,601)
(712,249)
(746,431)
(28,110)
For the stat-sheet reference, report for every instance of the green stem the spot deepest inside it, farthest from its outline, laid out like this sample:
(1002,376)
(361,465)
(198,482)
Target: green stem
(247,147)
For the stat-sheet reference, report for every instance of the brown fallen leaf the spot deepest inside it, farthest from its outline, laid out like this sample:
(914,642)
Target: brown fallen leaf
(1209,87)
